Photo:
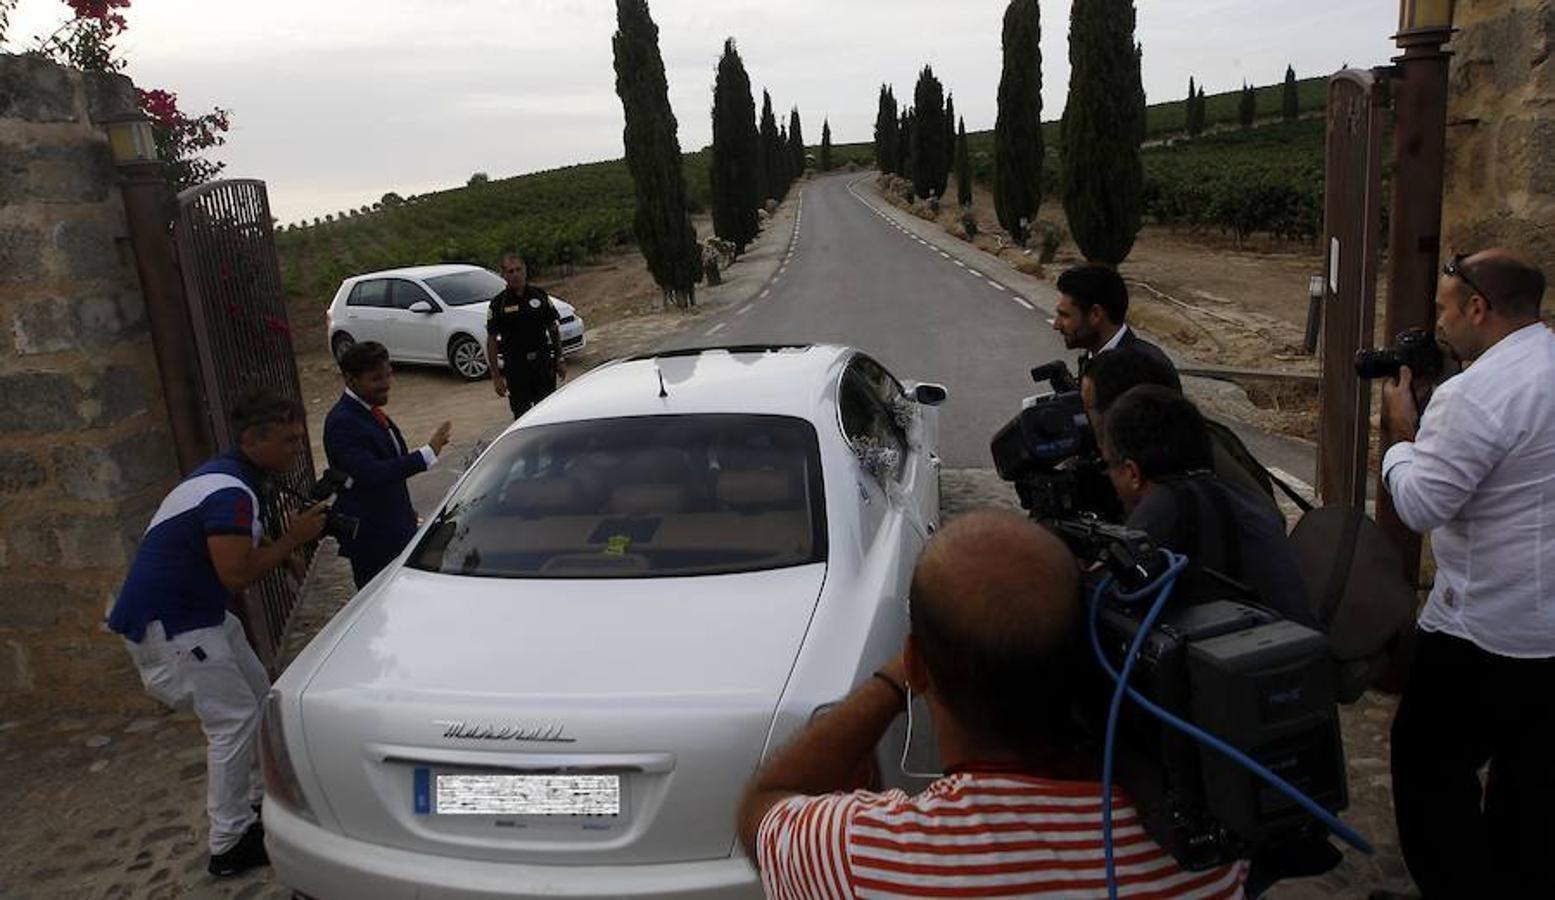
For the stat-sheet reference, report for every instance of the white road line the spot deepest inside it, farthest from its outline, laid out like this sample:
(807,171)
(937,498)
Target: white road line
(1301,487)
(974,273)
(764,294)
(743,310)
(944,254)
(1023,302)
(995,285)
(959,263)
(717,328)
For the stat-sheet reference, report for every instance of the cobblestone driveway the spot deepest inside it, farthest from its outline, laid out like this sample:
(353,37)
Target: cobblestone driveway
(113,807)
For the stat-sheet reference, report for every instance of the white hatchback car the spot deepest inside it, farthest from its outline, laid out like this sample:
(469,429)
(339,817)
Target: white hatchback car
(636,593)
(428,314)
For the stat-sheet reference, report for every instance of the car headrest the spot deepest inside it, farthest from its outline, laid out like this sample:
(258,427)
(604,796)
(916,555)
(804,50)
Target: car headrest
(539,496)
(754,487)
(655,498)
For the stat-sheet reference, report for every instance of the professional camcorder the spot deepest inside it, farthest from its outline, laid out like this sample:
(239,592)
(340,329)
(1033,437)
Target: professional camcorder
(336,525)
(1049,452)
(1251,680)
(1415,348)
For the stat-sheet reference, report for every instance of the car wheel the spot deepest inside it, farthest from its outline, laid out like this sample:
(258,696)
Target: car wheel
(468,358)
(340,344)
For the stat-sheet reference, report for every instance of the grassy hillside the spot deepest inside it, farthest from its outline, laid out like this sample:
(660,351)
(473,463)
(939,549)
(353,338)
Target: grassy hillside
(586,209)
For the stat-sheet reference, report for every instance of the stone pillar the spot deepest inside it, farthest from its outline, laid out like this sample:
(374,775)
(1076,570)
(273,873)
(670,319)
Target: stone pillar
(1501,132)
(85,450)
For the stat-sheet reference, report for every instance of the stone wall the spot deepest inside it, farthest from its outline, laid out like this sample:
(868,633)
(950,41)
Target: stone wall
(85,451)
(1501,131)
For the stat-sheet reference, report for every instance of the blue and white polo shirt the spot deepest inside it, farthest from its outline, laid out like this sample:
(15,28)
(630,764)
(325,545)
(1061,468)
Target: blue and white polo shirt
(172,578)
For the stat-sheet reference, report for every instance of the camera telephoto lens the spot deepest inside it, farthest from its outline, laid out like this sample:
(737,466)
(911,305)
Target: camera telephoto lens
(1370,364)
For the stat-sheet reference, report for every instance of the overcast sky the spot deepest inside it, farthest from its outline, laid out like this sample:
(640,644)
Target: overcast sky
(336,102)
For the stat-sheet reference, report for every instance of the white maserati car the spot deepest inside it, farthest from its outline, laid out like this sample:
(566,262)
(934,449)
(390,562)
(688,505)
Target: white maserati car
(634,594)
(429,314)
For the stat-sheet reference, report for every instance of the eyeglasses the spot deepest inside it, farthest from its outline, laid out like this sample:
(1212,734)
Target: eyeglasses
(1455,269)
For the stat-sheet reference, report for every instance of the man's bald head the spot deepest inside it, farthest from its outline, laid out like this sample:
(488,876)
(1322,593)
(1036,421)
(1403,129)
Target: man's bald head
(995,613)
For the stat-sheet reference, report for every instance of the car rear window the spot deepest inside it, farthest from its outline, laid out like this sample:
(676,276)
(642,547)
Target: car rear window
(465,288)
(637,497)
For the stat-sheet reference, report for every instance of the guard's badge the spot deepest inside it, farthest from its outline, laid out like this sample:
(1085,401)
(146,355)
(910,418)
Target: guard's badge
(534,302)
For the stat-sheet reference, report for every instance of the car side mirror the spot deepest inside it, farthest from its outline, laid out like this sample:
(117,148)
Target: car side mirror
(422,306)
(930,394)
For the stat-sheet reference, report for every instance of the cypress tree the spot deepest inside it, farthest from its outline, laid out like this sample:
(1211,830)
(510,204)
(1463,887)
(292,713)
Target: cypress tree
(1102,127)
(963,168)
(930,164)
(904,129)
(796,143)
(736,167)
(1017,148)
(1189,106)
(950,142)
(1247,107)
(771,153)
(886,123)
(662,224)
(826,165)
(1202,106)
(1290,104)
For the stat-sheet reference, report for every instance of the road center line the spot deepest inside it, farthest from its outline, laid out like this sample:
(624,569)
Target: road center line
(717,328)
(743,310)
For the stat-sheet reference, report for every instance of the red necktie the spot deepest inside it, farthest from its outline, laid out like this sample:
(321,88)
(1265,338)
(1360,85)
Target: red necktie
(382,417)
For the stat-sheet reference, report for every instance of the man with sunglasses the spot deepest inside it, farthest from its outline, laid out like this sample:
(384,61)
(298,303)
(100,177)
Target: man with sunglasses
(1477,471)
(523,332)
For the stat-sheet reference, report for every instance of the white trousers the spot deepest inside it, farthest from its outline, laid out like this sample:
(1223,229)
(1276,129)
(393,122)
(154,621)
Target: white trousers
(215,672)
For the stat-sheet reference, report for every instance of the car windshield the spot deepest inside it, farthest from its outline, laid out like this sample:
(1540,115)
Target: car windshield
(637,497)
(465,288)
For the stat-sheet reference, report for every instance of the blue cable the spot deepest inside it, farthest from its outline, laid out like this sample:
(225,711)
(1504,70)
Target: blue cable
(1164,585)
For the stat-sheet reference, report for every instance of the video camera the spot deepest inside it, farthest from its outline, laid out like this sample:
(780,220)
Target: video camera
(1049,451)
(336,525)
(1415,348)
(1250,679)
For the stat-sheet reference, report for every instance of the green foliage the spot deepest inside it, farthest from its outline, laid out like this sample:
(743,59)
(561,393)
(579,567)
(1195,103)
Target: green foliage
(1194,110)
(774,165)
(1166,119)
(904,143)
(796,160)
(1247,107)
(478,178)
(1290,100)
(930,157)
(963,168)
(1103,126)
(1268,180)
(662,223)
(735,174)
(827,163)
(886,135)
(1019,148)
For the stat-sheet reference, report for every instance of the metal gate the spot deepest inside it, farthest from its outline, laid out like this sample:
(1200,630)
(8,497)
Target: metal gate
(1353,230)
(237,310)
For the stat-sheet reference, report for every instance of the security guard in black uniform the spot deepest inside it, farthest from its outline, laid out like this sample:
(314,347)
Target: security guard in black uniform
(523,331)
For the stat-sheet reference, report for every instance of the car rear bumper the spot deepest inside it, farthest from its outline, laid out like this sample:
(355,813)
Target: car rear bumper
(322,864)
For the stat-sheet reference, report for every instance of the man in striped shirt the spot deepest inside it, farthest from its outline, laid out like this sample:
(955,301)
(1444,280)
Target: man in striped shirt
(994,641)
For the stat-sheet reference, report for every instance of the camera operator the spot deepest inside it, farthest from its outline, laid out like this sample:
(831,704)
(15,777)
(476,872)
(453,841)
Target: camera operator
(994,648)
(204,545)
(1478,472)
(1111,375)
(361,441)
(1158,455)
(1092,306)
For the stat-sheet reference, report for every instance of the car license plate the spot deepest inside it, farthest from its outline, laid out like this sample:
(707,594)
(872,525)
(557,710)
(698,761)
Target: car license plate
(588,796)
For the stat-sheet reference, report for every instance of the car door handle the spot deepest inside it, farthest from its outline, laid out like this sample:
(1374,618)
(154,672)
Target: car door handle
(935,461)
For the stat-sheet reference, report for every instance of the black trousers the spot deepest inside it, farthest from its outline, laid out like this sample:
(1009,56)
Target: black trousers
(1464,707)
(530,378)
(365,566)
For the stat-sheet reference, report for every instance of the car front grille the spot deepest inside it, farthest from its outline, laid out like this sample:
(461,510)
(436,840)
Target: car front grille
(566,319)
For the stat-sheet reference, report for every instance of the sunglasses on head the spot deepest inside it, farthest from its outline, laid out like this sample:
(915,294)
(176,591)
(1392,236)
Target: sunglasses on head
(1456,269)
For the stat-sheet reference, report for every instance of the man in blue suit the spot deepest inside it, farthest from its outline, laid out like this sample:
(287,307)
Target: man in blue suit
(363,442)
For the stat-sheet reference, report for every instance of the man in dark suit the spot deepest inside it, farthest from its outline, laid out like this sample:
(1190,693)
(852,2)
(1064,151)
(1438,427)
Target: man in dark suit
(363,442)
(1092,305)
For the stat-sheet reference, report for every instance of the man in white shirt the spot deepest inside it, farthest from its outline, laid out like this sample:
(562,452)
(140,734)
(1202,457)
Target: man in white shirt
(1478,472)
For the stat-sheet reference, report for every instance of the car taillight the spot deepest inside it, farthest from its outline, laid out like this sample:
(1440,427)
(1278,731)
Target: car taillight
(275,763)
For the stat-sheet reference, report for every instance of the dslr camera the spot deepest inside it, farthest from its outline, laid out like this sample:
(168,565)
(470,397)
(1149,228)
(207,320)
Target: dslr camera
(336,525)
(1049,452)
(1415,348)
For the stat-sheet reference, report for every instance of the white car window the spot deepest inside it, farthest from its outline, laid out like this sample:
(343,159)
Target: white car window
(374,292)
(466,288)
(407,292)
(878,440)
(644,496)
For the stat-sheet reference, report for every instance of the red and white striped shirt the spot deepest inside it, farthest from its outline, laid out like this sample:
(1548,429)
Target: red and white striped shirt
(971,834)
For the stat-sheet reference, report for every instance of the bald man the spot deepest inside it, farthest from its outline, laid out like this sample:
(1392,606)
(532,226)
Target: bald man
(994,640)
(1477,471)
